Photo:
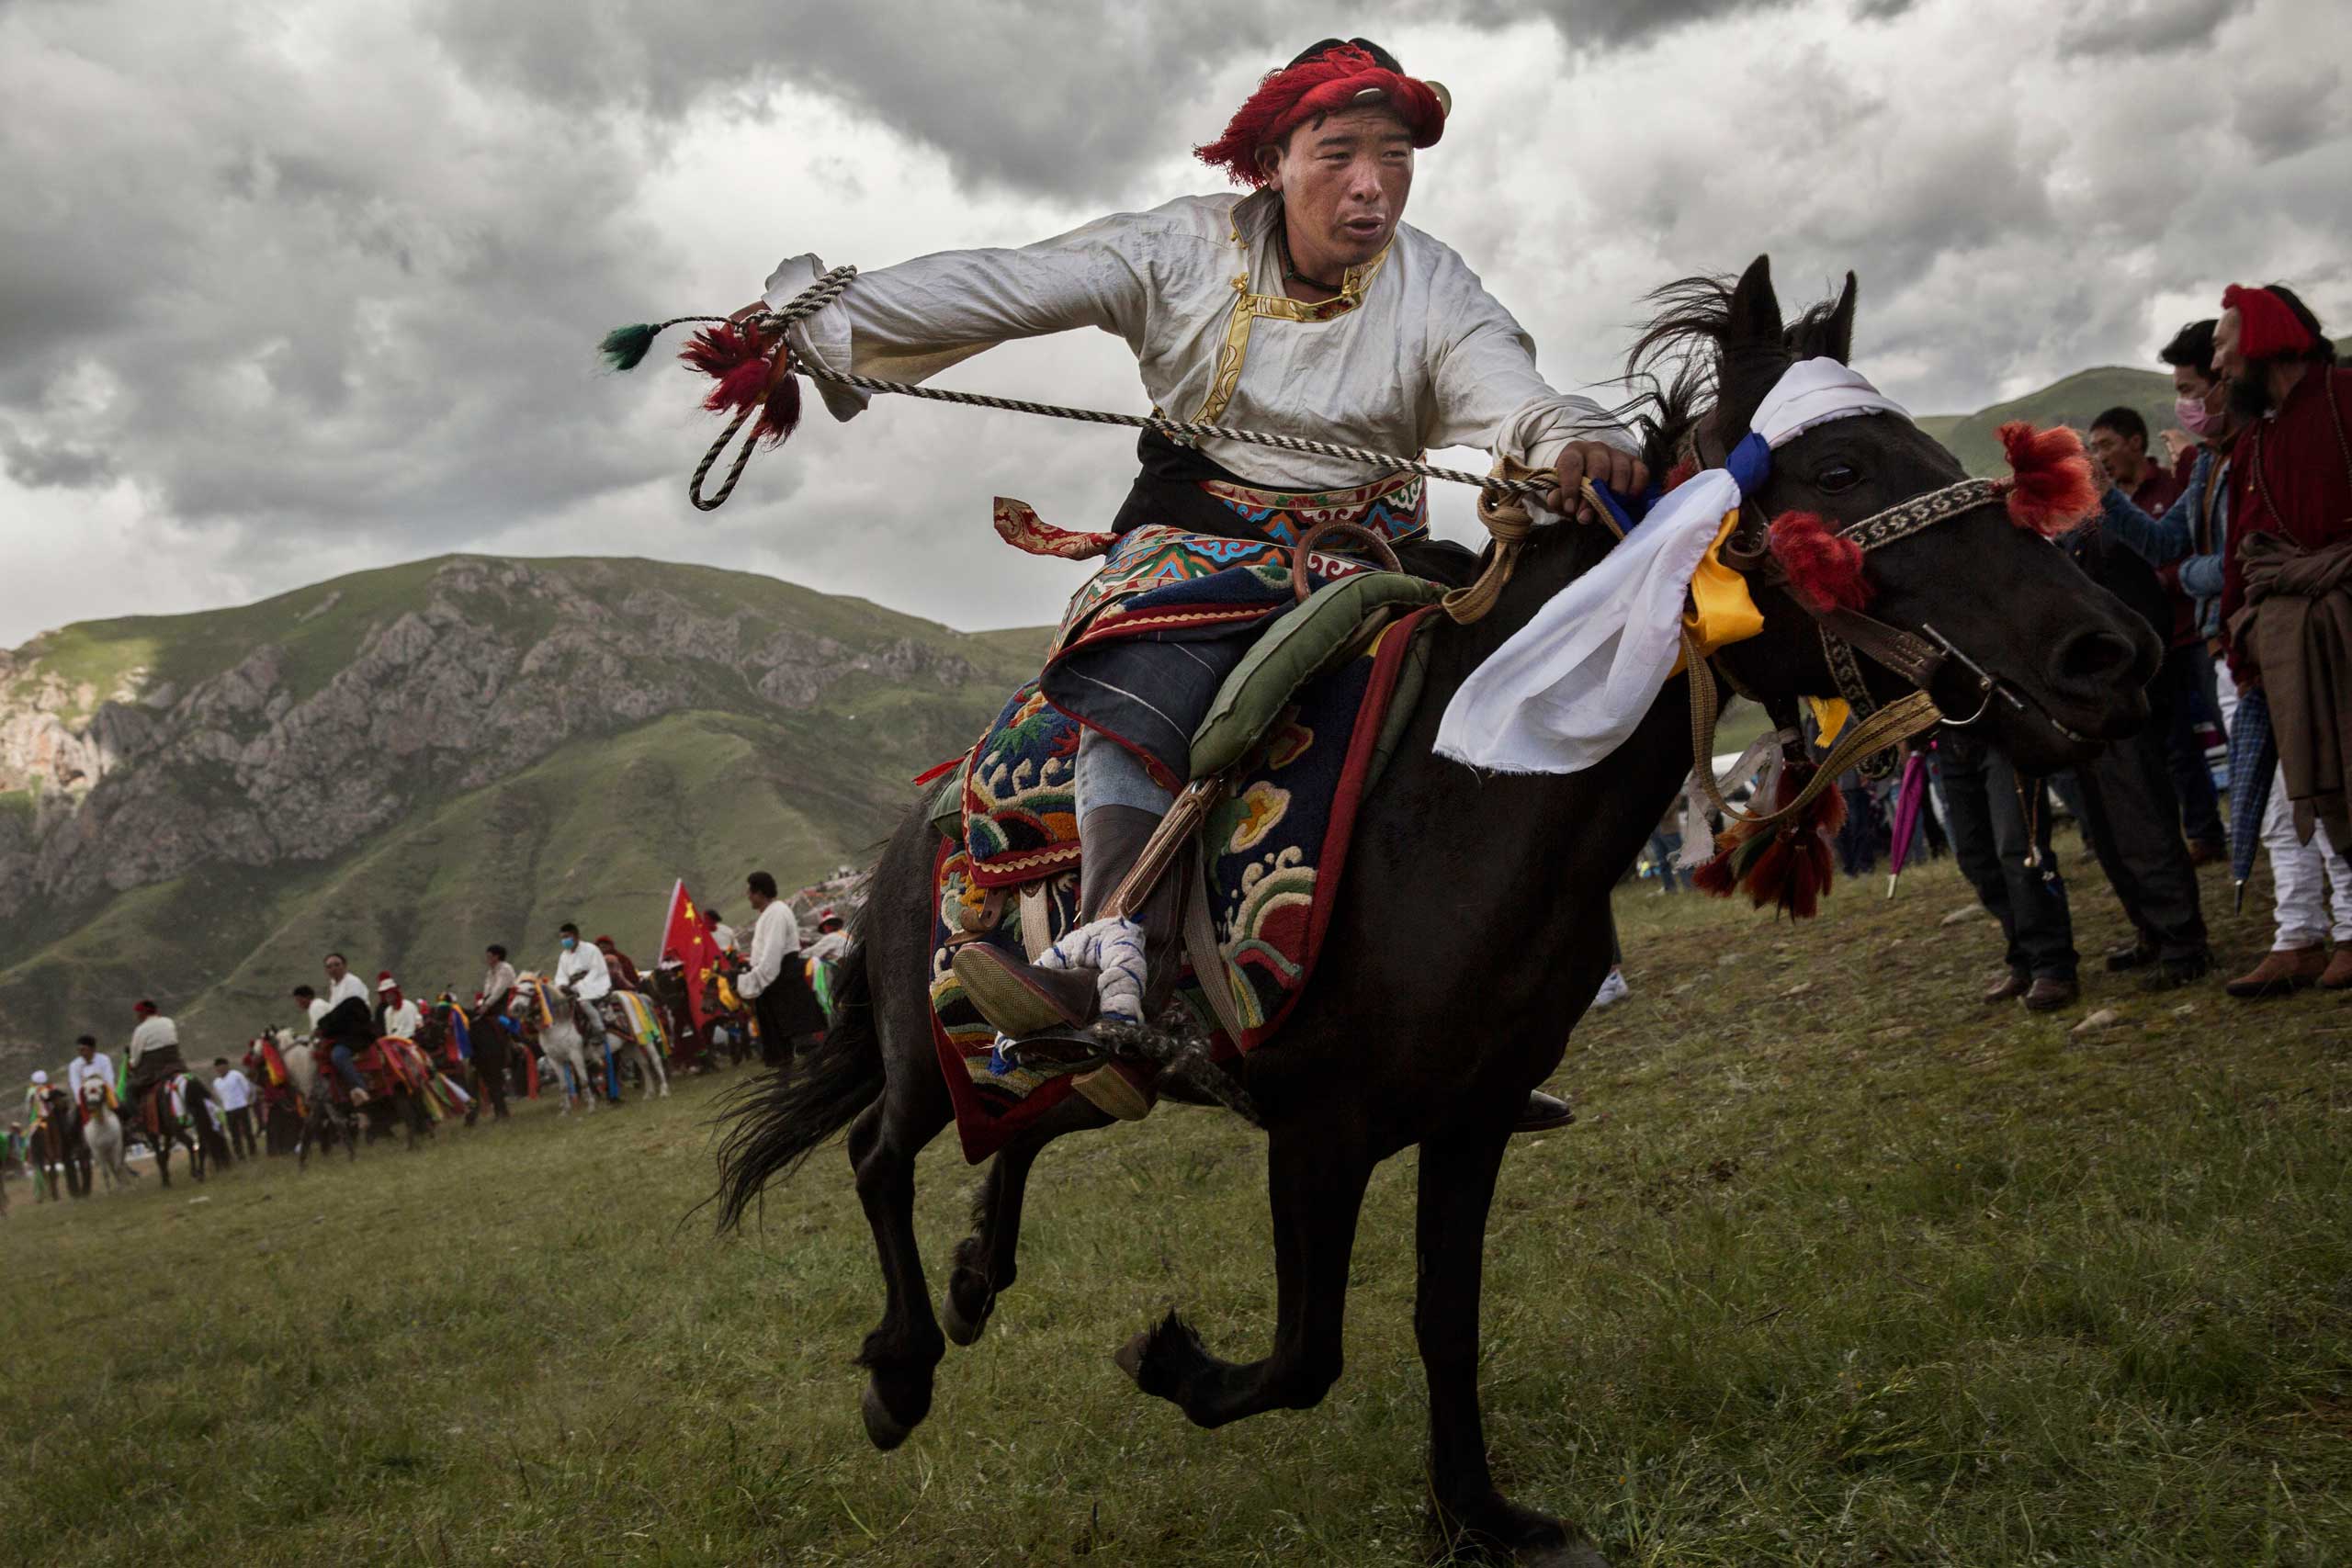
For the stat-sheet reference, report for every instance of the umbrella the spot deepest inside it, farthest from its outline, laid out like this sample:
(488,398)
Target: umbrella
(2254,759)
(1907,797)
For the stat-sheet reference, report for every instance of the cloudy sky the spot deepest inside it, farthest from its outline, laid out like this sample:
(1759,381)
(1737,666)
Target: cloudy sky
(292,289)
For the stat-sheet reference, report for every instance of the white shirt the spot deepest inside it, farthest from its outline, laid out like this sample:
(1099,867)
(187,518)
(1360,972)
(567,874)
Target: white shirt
(724,934)
(402,1021)
(77,1070)
(1426,358)
(235,1092)
(318,1011)
(581,972)
(151,1033)
(497,982)
(830,946)
(342,990)
(775,936)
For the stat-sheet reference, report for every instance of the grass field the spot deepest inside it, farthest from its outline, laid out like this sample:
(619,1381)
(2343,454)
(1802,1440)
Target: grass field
(1838,1268)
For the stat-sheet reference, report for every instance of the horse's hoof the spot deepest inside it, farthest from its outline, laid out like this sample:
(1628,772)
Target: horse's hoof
(961,1330)
(886,1430)
(1129,1357)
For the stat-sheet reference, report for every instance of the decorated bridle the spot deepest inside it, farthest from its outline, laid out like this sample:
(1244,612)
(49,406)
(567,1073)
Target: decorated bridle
(1781,855)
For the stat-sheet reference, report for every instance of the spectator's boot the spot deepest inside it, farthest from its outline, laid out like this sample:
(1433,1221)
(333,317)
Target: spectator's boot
(2337,975)
(2007,986)
(2280,973)
(2049,993)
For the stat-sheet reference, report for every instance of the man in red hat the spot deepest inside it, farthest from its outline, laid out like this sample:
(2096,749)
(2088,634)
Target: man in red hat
(2287,589)
(153,1054)
(1300,305)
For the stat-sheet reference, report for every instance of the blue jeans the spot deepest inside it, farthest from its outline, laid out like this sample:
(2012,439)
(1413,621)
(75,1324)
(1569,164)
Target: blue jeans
(344,1068)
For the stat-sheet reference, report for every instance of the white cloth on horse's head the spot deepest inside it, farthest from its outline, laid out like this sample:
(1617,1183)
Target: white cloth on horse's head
(775,933)
(1565,690)
(1114,949)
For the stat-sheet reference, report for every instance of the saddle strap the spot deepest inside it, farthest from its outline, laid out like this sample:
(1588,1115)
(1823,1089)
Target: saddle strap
(1201,947)
(1178,828)
(1036,919)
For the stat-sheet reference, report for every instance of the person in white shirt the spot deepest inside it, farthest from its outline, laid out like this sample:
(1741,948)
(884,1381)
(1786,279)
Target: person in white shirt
(235,1092)
(580,972)
(154,1051)
(397,1018)
(774,981)
(722,932)
(833,939)
(343,986)
(88,1062)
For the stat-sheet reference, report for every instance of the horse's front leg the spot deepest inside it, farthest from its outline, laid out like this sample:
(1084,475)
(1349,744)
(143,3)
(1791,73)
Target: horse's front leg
(906,1345)
(986,1260)
(1316,1179)
(1457,1185)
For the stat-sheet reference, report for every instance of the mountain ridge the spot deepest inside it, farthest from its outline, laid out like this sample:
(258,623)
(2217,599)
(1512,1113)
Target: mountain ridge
(195,808)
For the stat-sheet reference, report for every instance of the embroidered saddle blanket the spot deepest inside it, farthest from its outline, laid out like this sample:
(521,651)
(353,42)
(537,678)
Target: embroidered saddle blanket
(1274,850)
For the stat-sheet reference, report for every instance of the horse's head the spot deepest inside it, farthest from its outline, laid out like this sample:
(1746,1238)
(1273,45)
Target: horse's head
(2029,642)
(94,1094)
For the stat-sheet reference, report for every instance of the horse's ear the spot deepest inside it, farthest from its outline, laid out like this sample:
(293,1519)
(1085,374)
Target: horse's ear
(1838,334)
(1755,308)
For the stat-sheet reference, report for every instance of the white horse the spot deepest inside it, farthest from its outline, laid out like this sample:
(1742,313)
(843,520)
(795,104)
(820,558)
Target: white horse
(103,1129)
(544,1015)
(656,1076)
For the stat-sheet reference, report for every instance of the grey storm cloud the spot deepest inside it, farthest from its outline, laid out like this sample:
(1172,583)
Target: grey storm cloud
(296,283)
(2144,27)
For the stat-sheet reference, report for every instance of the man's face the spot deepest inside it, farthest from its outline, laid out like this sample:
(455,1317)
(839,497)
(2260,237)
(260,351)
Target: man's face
(2124,456)
(759,900)
(2227,357)
(1344,183)
(87,1051)
(335,967)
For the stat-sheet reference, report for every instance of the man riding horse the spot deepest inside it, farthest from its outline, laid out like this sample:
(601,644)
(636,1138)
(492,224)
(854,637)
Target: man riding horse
(1303,306)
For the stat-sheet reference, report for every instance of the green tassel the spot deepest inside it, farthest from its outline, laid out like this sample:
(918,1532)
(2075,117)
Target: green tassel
(624,348)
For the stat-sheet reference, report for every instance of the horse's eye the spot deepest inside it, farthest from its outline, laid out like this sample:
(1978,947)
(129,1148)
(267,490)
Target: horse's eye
(1837,477)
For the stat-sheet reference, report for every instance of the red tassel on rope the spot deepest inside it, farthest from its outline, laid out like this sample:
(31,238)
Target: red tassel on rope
(2050,486)
(736,356)
(1826,569)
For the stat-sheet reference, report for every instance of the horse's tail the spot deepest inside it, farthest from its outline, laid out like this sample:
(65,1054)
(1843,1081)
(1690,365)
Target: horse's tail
(779,1119)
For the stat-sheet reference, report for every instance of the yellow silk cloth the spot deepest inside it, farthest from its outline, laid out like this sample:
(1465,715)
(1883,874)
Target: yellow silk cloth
(1721,612)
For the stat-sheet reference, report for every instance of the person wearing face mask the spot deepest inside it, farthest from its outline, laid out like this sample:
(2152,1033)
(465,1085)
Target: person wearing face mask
(2311,884)
(2159,517)
(1301,305)
(580,973)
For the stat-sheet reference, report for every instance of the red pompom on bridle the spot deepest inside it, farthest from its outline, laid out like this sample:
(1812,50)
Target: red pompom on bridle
(1825,569)
(2050,488)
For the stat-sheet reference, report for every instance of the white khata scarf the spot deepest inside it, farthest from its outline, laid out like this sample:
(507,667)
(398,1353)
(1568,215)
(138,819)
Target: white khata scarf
(1567,688)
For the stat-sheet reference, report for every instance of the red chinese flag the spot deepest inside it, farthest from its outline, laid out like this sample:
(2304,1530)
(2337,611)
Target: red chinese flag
(685,938)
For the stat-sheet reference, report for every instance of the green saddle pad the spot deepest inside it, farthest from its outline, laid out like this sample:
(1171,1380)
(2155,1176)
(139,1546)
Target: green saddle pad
(1299,646)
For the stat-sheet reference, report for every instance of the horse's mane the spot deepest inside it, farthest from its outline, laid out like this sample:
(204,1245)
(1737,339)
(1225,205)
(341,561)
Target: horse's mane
(1685,365)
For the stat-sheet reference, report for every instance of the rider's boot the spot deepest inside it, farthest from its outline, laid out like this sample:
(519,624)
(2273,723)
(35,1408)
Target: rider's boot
(1022,999)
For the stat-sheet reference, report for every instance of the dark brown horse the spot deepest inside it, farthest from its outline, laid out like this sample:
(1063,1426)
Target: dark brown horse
(1431,1034)
(56,1144)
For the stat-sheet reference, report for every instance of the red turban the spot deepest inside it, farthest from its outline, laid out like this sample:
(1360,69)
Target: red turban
(2267,328)
(143,1007)
(1327,82)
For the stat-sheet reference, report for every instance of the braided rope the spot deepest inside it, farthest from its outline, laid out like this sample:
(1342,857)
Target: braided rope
(829,288)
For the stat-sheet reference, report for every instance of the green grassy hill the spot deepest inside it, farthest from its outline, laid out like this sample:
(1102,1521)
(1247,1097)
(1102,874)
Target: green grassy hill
(2076,400)
(763,757)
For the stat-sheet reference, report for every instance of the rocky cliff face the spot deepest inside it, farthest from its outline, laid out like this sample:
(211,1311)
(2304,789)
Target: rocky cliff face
(488,668)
